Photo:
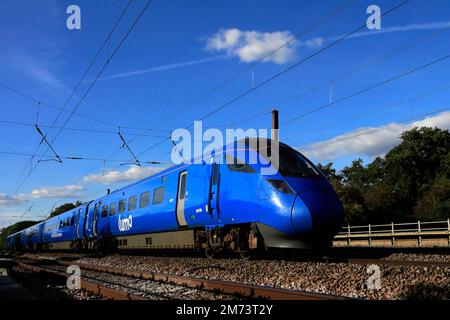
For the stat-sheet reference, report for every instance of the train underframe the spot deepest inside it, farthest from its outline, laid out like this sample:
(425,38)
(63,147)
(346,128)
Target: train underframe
(243,239)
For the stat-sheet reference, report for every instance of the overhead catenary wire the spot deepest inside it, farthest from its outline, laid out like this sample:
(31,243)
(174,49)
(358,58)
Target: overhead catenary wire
(96,78)
(93,82)
(226,81)
(108,60)
(26,124)
(389,106)
(125,144)
(335,42)
(378,84)
(334,12)
(99,50)
(281,73)
(101,121)
(251,67)
(86,158)
(62,109)
(340,76)
(406,1)
(44,139)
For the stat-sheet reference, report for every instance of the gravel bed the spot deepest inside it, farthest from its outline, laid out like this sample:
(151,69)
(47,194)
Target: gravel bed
(148,289)
(418,257)
(397,282)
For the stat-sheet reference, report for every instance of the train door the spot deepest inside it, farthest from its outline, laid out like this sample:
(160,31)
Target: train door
(95,218)
(214,191)
(181,198)
(90,223)
(41,232)
(84,220)
(78,223)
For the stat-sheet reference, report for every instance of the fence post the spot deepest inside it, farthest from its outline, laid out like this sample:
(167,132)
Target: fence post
(448,225)
(370,238)
(348,235)
(420,236)
(392,233)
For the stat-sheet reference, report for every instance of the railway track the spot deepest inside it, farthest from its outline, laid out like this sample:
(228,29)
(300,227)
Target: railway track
(103,292)
(122,292)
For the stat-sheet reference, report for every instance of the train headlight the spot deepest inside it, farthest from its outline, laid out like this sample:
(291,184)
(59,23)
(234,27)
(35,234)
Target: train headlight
(281,186)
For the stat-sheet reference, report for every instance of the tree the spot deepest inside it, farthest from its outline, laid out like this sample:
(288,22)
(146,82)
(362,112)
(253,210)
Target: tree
(412,181)
(434,204)
(412,166)
(65,207)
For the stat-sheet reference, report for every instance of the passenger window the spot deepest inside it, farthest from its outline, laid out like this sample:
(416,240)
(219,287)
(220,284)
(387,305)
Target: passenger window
(234,164)
(158,195)
(182,194)
(112,209)
(122,205)
(144,200)
(163,179)
(72,221)
(132,202)
(104,211)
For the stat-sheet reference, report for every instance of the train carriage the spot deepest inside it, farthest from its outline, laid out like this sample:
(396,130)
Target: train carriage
(211,205)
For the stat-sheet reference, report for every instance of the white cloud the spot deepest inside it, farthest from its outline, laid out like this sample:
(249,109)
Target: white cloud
(7,201)
(131,174)
(66,192)
(75,191)
(250,46)
(369,141)
(315,42)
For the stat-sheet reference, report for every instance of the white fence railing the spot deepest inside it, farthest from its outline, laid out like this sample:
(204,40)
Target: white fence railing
(434,233)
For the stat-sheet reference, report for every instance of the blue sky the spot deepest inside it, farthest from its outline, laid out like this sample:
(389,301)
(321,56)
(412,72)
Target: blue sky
(178,51)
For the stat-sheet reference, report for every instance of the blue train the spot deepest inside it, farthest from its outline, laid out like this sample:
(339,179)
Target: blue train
(212,205)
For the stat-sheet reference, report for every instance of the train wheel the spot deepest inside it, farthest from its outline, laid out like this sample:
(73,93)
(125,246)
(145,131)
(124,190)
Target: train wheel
(209,253)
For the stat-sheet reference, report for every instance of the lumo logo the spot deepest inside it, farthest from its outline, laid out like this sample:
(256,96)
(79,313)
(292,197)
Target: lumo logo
(125,224)
(74,280)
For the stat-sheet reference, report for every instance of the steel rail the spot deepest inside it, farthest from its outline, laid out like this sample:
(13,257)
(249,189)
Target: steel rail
(219,286)
(105,293)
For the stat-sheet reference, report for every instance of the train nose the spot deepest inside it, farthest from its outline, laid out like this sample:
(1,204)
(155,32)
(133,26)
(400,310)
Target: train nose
(317,212)
(301,217)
